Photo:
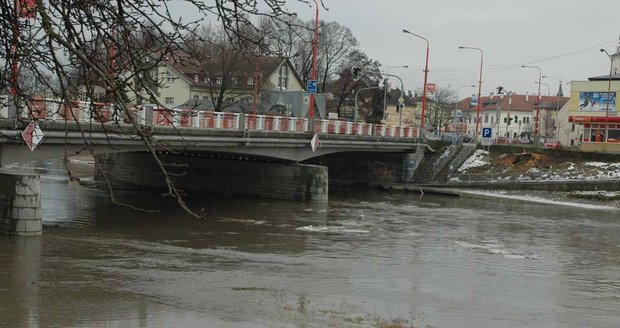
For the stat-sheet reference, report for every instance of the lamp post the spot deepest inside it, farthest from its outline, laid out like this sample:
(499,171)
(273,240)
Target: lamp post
(400,115)
(546,124)
(546,85)
(457,94)
(479,89)
(456,103)
(537,119)
(611,64)
(385,89)
(315,43)
(425,77)
(557,104)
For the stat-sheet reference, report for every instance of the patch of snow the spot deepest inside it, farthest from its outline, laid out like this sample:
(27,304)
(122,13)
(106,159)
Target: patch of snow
(597,164)
(540,200)
(475,160)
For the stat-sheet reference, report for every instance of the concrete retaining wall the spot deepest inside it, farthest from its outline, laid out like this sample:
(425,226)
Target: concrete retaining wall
(276,180)
(583,185)
(20,205)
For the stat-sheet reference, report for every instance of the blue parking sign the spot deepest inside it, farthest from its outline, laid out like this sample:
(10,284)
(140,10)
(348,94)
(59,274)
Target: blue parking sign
(312,86)
(487,132)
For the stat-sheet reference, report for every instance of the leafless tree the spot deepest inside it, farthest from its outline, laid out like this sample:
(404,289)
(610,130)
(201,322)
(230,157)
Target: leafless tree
(112,45)
(439,112)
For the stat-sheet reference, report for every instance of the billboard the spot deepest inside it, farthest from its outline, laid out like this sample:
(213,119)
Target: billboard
(594,100)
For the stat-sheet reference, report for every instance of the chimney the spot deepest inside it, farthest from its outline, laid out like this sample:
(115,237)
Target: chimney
(527,96)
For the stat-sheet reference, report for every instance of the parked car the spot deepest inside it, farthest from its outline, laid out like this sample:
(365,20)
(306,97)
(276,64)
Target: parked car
(552,144)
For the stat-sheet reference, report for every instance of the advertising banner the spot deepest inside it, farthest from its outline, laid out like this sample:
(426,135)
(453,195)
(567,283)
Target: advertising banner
(596,101)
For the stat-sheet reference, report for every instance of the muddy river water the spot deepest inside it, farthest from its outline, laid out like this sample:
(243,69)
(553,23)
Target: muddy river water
(365,259)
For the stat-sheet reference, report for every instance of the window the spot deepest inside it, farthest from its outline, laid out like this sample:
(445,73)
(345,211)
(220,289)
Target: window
(283,77)
(486,118)
(196,78)
(195,97)
(250,81)
(230,100)
(572,128)
(207,80)
(169,76)
(219,80)
(205,98)
(169,100)
(491,119)
(234,80)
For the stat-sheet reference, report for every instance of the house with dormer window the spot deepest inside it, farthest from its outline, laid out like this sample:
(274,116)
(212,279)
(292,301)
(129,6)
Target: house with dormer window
(224,86)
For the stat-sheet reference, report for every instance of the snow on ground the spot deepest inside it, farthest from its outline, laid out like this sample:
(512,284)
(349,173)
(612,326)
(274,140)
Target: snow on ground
(536,199)
(482,163)
(475,160)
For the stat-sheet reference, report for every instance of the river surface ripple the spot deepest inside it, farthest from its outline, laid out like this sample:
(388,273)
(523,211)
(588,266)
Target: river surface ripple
(365,259)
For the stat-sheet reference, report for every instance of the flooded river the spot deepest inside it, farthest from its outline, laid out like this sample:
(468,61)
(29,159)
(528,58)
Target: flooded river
(365,259)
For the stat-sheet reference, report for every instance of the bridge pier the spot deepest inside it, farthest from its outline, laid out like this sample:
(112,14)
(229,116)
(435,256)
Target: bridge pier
(232,175)
(20,205)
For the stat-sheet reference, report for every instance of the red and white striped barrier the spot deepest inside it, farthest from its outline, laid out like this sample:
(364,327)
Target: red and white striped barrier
(49,109)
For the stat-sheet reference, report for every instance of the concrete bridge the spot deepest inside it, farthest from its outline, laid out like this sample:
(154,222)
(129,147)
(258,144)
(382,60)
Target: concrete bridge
(258,155)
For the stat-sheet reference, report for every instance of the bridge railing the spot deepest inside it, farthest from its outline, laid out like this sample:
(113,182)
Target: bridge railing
(88,112)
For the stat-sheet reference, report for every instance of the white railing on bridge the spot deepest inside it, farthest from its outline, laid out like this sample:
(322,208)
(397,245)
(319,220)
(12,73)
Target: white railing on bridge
(46,109)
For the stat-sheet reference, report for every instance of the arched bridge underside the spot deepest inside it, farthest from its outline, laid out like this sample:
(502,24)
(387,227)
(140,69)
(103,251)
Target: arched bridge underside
(67,139)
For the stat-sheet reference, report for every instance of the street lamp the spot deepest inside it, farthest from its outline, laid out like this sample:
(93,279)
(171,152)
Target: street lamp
(385,88)
(479,89)
(400,113)
(557,103)
(611,62)
(546,85)
(546,111)
(425,77)
(536,120)
(456,103)
(457,93)
(315,42)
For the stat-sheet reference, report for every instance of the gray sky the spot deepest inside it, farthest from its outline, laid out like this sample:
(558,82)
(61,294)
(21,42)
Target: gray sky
(562,37)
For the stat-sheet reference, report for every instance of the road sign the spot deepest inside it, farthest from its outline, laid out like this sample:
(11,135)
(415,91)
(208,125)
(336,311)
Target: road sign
(32,135)
(314,143)
(312,86)
(487,132)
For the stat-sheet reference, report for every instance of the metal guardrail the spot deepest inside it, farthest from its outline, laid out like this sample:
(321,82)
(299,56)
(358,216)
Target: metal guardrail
(461,158)
(443,160)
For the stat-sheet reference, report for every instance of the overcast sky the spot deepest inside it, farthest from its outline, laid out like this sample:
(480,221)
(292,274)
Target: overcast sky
(562,37)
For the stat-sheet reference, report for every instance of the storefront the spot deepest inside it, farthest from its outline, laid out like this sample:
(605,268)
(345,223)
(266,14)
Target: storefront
(598,129)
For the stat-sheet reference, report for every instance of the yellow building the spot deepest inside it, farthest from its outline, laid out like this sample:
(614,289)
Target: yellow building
(592,112)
